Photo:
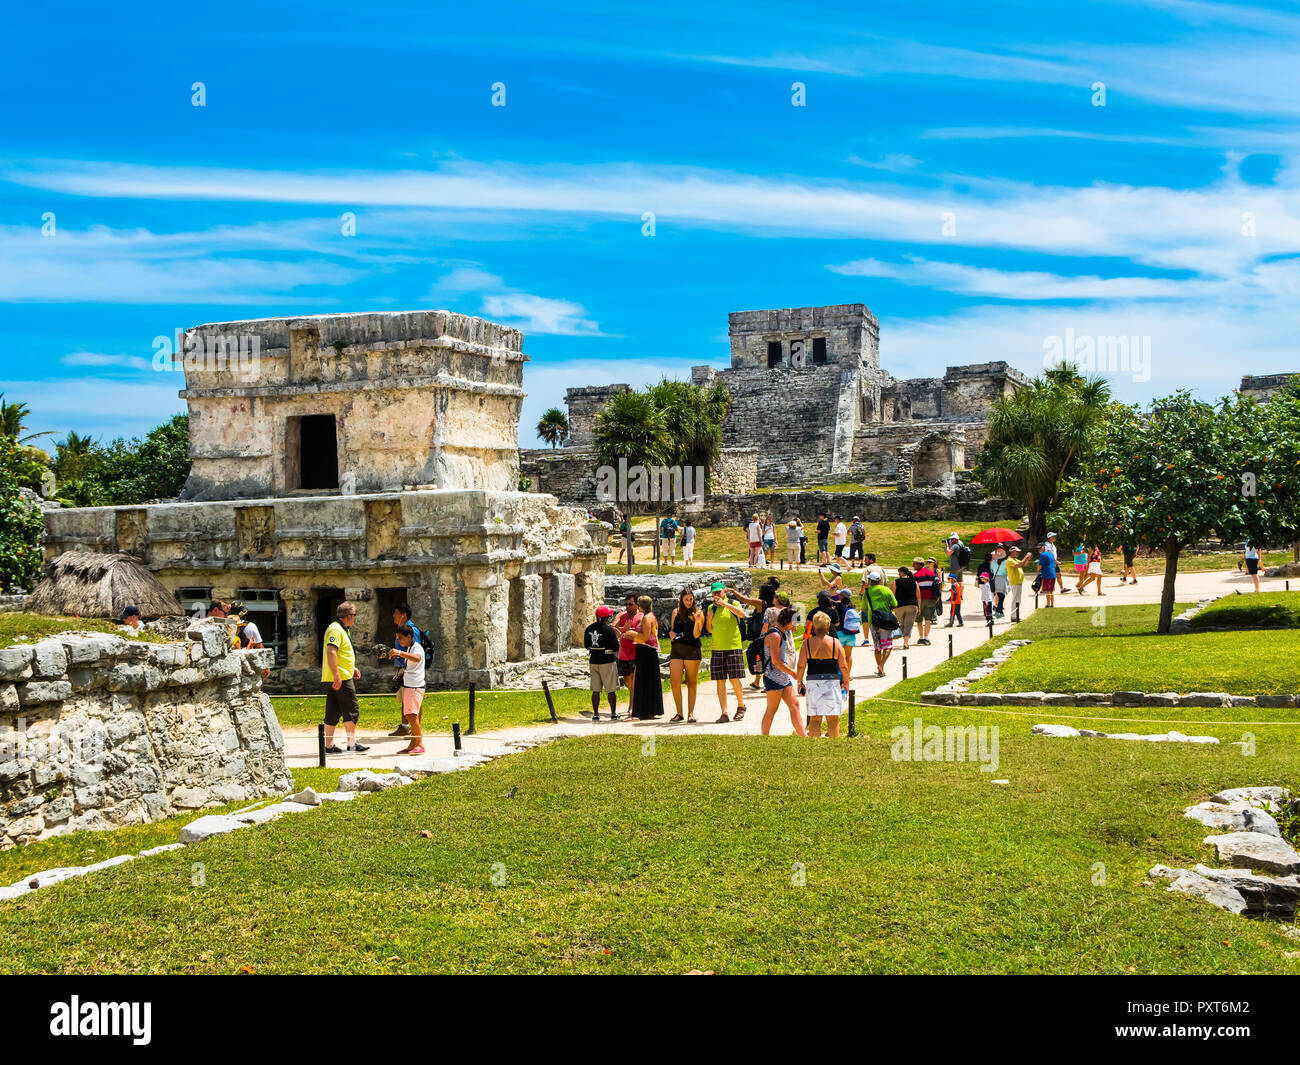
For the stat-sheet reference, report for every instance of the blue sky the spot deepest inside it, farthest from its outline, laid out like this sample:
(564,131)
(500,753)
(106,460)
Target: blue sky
(1169,213)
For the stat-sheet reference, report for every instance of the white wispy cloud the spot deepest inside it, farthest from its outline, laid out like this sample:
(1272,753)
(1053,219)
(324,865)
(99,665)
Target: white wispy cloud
(523,310)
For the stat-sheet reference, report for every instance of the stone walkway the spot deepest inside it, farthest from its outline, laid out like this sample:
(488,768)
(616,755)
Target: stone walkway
(300,743)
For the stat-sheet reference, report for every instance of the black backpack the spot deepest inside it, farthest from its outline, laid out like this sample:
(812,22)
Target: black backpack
(963,556)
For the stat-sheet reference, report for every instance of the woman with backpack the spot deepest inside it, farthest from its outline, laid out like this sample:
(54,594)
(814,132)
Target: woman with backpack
(848,625)
(779,673)
(878,604)
(823,677)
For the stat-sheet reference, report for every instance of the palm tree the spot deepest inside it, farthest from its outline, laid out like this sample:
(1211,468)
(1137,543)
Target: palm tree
(554,426)
(633,428)
(694,417)
(73,456)
(13,417)
(1036,438)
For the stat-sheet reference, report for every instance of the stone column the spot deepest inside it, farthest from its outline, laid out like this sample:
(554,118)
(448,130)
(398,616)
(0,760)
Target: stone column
(300,634)
(557,614)
(484,622)
(523,639)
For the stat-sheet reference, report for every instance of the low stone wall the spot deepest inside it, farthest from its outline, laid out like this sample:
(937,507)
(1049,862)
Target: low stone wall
(98,731)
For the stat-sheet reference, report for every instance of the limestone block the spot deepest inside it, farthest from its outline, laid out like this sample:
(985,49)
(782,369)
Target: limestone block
(16,662)
(1160,699)
(162,850)
(211,825)
(1062,731)
(1127,698)
(1269,796)
(8,699)
(1223,896)
(1255,850)
(36,692)
(190,798)
(49,659)
(1275,700)
(1234,817)
(1204,699)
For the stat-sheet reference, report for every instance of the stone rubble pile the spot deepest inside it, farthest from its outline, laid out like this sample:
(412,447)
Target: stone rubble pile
(1252,842)
(954,691)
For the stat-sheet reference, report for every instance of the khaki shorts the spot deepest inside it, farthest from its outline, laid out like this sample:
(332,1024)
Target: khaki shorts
(792,552)
(604,676)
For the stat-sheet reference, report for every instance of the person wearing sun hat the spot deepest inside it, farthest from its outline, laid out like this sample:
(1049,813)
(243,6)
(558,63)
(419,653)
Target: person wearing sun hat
(836,582)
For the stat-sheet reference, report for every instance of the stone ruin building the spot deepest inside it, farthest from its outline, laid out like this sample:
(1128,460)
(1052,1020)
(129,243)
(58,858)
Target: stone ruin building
(811,406)
(1265,386)
(369,457)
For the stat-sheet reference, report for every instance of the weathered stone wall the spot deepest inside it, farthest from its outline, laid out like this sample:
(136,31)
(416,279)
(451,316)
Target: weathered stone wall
(568,473)
(970,391)
(98,731)
(584,404)
(453,555)
(735,471)
(1265,386)
(422,399)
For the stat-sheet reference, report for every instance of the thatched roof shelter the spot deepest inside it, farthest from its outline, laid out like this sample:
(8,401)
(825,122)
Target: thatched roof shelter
(92,585)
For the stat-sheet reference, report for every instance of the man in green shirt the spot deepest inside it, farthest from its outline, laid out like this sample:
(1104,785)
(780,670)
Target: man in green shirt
(727,662)
(339,671)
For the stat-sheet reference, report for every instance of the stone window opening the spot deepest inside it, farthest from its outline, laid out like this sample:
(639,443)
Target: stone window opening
(819,351)
(773,353)
(311,453)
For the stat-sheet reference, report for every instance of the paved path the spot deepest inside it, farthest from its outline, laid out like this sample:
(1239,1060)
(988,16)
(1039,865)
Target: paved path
(300,743)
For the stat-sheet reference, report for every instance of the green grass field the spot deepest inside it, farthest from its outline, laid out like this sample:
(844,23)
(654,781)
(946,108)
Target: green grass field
(728,854)
(731,854)
(1251,610)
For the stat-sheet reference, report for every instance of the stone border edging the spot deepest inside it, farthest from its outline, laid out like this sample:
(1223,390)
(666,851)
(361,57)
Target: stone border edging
(1181,625)
(351,784)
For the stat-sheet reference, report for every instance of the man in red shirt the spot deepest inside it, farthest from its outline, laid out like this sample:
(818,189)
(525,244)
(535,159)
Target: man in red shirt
(927,588)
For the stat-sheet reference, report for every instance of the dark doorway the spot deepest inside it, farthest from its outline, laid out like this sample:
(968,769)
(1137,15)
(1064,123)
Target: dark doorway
(819,351)
(327,605)
(318,451)
(773,353)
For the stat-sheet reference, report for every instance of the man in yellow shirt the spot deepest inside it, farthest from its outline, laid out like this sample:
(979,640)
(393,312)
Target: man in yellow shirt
(1016,562)
(339,671)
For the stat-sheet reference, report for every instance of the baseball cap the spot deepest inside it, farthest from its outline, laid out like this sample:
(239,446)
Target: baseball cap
(873,577)
(783,598)
(717,586)
(604,611)
(953,536)
(1051,536)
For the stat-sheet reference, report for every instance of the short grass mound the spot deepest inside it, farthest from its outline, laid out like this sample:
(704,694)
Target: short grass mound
(1260,663)
(720,853)
(18,626)
(1263,610)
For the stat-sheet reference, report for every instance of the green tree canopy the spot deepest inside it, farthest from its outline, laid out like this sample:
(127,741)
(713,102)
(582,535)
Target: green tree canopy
(553,426)
(22,529)
(1038,436)
(1185,471)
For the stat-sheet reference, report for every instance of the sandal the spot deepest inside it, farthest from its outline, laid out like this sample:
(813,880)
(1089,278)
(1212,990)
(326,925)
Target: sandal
(740,713)
(413,750)
(691,720)
(677,718)
(723,720)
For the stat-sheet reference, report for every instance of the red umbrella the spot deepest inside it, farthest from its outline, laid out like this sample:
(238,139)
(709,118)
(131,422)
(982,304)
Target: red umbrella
(996,536)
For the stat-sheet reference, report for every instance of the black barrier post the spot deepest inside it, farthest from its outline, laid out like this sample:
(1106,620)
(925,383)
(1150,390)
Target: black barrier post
(853,713)
(905,667)
(950,645)
(550,703)
(455,734)
(320,743)
(1035,600)
(470,731)
(990,628)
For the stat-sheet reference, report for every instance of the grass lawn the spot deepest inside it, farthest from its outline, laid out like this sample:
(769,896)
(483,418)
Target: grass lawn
(1251,610)
(1256,663)
(618,862)
(37,626)
(86,848)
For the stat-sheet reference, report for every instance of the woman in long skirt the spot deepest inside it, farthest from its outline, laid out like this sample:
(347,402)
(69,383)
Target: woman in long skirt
(648,692)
